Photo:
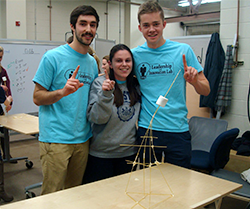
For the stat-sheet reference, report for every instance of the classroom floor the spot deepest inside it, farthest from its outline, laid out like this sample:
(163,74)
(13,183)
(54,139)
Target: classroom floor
(18,176)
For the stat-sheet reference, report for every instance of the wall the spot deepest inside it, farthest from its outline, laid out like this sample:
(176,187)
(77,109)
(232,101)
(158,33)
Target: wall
(35,19)
(204,29)
(237,113)
(2,19)
(136,38)
(118,21)
(38,19)
(16,11)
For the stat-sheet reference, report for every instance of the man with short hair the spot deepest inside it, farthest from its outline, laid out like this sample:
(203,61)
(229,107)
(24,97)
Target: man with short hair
(163,66)
(62,84)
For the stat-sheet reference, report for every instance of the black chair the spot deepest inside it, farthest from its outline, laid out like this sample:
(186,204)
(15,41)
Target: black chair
(211,143)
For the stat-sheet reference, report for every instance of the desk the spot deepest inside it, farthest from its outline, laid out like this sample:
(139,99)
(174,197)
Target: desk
(191,189)
(237,163)
(22,123)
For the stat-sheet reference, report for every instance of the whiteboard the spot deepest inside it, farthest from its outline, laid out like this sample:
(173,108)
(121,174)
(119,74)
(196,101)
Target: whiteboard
(21,60)
(198,43)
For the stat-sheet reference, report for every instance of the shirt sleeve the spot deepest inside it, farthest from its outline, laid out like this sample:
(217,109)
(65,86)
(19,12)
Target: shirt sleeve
(100,103)
(45,72)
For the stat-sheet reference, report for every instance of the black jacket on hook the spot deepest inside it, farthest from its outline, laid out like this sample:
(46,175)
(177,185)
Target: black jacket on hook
(214,64)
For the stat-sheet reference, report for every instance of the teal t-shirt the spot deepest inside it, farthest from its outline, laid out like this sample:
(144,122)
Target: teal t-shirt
(65,121)
(156,70)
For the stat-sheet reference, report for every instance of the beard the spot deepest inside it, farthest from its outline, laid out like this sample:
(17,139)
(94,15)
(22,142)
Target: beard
(81,40)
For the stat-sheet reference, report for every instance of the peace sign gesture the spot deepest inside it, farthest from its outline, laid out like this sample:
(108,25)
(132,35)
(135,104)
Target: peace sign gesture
(107,83)
(190,73)
(72,84)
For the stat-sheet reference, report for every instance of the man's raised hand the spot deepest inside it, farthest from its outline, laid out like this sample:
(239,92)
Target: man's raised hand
(72,84)
(190,73)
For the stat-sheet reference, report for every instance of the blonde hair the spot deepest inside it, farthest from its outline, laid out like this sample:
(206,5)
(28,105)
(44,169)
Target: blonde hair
(148,7)
(92,52)
(1,49)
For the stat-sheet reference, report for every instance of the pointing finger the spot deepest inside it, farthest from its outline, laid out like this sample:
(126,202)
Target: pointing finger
(184,62)
(75,72)
(106,74)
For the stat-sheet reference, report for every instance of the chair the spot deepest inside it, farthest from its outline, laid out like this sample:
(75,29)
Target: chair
(204,131)
(30,194)
(211,143)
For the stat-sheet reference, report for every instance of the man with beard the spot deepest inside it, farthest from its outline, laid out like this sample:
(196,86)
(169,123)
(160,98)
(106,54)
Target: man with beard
(62,84)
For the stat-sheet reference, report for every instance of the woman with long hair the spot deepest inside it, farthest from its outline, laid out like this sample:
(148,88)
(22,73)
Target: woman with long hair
(114,105)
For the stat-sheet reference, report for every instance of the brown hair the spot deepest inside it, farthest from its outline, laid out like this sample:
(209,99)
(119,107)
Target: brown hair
(83,10)
(131,81)
(150,6)
(106,57)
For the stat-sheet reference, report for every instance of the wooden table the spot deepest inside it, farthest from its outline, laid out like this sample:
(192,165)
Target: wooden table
(190,189)
(22,123)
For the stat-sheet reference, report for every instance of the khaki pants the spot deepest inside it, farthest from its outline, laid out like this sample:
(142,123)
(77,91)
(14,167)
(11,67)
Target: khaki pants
(63,165)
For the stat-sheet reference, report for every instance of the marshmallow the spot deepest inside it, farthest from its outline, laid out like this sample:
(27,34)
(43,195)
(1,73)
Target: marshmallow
(162,101)
(4,78)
